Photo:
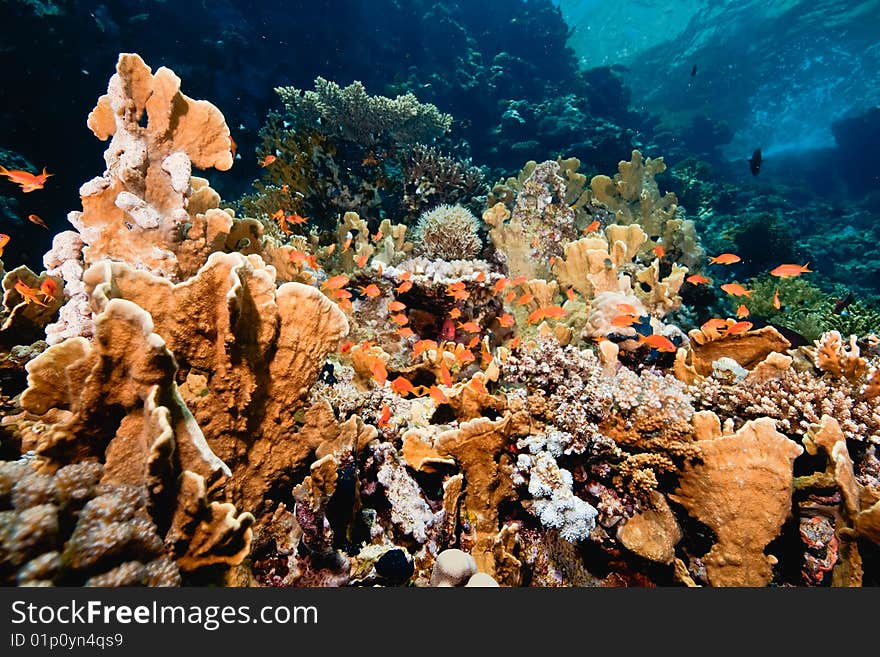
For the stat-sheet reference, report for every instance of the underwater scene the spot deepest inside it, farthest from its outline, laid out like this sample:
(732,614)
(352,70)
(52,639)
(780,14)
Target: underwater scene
(519,293)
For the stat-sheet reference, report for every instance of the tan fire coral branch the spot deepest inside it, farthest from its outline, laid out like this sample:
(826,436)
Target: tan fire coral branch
(259,349)
(742,490)
(115,401)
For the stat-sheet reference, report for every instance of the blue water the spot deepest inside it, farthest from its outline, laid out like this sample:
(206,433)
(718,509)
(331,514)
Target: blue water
(524,80)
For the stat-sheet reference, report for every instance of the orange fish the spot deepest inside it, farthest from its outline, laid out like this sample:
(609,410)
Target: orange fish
(470,327)
(627,309)
(285,188)
(27,181)
(406,332)
(372,290)
(48,288)
(345,305)
(592,227)
(506,320)
(480,277)
(510,296)
(384,419)
(35,219)
(445,375)
(233,147)
(29,293)
(4,240)
(478,386)
(659,251)
(715,323)
(380,374)
(369,161)
(455,313)
(346,347)
(500,284)
(776,302)
(340,294)
(736,290)
(485,354)
(402,386)
(570,293)
(406,275)
(423,345)
(296,219)
(361,260)
(524,299)
(514,343)
(535,316)
(330,250)
(725,259)
(347,243)
(437,395)
(465,355)
(461,295)
(266,161)
(278,214)
(396,306)
(519,280)
(336,282)
(790,271)
(739,327)
(553,312)
(696,279)
(658,342)
(452,287)
(624,320)
(473,342)
(404,287)
(742,311)
(400,320)
(377,236)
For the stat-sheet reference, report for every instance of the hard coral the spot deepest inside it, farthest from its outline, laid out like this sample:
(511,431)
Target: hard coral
(448,232)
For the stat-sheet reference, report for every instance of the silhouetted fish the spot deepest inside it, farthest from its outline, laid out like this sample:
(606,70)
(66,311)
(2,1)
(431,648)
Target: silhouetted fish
(841,304)
(755,162)
(694,70)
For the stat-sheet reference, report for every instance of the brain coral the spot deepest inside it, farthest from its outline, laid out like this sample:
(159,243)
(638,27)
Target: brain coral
(448,232)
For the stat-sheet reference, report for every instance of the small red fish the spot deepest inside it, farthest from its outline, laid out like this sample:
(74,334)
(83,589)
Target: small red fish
(506,320)
(341,294)
(469,327)
(535,316)
(372,290)
(715,323)
(347,243)
(266,161)
(445,375)
(400,320)
(500,284)
(4,240)
(296,219)
(455,313)
(514,343)
(697,279)
(330,250)
(361,260)
(480,277)
(402,386)
(658,342)
(336,282)
(569,293)
(466,355)
(404,287)
(659,251)
(627,309)
(406,332)
(736,290)
(49,288)
(396,306)
(478,386)
(790,271)
(380,374)
(510,296)
(233,147)
(423,345)
(384,419)
(29,293)
(742,311)
(378,236)
(624,320)
(346,347)
(35,219)
(594,225)
(738,328)
(27,181)
(553,312)
(776,302)
(437,395)
(725,259)
(524,299)
(519,280)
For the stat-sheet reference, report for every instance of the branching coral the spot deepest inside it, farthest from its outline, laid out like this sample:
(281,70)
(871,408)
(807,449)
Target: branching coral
(431,178)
